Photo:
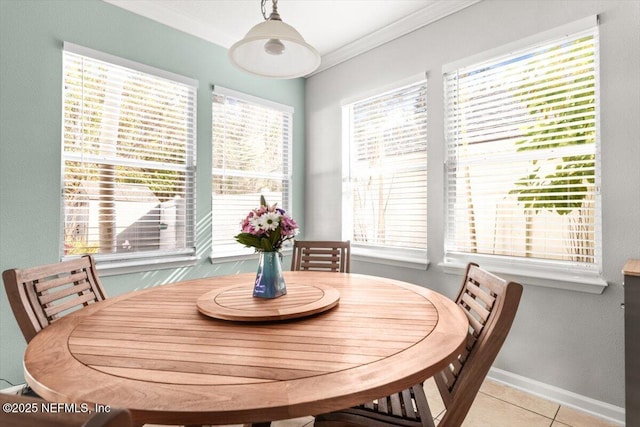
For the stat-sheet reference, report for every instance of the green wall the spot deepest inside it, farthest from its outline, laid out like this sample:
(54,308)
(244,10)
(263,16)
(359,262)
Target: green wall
(31,37)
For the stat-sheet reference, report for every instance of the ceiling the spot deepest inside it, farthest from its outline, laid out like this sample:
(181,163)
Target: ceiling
(338,29)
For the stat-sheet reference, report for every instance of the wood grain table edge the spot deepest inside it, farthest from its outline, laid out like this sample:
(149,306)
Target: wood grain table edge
(281,401)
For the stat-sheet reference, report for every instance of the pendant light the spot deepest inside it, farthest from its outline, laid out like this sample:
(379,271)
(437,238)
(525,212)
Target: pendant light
(274,49)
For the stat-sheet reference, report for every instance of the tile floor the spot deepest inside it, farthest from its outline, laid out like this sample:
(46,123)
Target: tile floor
(496,406)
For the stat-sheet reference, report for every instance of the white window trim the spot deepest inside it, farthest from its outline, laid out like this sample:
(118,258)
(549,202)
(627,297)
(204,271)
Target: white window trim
(396,257)
(249,255)
(545,273)
(527,42)
(529,272)
(116,60)
(113,264)
(144,264)
(253,99)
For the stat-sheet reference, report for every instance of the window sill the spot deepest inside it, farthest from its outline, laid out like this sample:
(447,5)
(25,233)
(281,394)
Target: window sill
(526,272)
(394,257)
(241,256)
(113,268)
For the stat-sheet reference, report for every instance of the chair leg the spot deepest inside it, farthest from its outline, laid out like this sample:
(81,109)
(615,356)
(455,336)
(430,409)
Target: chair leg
(423,405)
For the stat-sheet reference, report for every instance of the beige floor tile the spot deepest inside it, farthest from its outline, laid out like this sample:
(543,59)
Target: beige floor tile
(575,418)
(520,398)
(433,398)
(294,422)
(489,411)
(163,425)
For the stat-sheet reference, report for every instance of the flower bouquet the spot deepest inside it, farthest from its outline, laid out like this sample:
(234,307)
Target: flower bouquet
(265,229)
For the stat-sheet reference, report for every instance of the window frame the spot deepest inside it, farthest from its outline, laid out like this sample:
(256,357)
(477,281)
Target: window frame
(235,251)
(536,271)
(393,256)
(129,262)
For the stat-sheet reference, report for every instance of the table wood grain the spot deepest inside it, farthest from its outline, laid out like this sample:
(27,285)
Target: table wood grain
(632,267)
(238,303)
(153,352)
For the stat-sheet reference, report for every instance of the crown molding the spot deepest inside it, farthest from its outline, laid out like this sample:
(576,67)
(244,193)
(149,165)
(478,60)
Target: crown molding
(434,11)
(429,14)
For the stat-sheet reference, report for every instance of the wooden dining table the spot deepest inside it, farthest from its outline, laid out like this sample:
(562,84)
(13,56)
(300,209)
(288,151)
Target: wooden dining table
(157,353)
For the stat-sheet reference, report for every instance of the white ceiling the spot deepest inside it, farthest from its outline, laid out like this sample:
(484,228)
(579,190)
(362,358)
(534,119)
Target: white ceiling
(338,29)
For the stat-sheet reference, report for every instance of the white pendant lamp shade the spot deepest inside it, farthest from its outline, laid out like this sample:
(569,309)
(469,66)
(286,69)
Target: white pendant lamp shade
(274,49)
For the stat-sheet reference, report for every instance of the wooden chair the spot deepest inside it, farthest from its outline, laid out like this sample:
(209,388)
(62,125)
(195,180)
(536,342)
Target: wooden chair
(40,295)
(490,304)
(32,412)
(321,256)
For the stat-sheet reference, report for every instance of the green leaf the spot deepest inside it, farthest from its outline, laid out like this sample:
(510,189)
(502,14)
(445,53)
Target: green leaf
(248,240)
(266,245)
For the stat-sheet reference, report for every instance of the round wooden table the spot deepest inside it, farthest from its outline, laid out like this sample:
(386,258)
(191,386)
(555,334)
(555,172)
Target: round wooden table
(153,352)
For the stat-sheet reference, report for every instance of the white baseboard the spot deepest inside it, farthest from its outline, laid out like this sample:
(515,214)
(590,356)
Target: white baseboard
(16,389)
(611,413)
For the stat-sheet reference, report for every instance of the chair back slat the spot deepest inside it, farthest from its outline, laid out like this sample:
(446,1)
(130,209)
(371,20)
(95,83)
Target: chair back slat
(332,252)
(79,289)
(46,283)
(314,255)
(55,269)
(319,265)
(27,296)
(481,312)
(396,404)
(40,295)
(53,311)
(474,324)
(407,398)
(383,405)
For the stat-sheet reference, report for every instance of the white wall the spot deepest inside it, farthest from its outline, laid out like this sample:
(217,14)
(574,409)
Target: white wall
(566,339)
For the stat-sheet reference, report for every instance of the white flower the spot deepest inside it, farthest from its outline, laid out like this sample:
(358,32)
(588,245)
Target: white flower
(271,220)
(257,223)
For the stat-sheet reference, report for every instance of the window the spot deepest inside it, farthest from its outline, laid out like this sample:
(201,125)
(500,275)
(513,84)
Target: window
(128,160)
(522,157)
(385,173)
(251,146)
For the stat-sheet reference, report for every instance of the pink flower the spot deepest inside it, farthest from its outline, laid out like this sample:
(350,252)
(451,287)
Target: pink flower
(288,226)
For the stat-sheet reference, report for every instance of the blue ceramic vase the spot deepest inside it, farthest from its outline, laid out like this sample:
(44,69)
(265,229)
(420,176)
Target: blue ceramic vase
(269,280)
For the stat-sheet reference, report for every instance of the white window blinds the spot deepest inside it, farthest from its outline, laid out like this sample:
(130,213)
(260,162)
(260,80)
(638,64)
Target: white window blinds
(385,191)
(128,158)
(251,147)
(522,158)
